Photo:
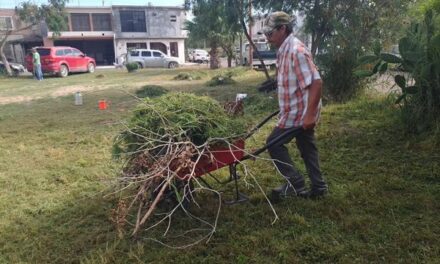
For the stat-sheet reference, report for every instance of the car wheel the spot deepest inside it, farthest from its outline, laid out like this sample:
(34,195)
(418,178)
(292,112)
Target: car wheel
(172,65)
(140,65)
(64,71)
(91,68)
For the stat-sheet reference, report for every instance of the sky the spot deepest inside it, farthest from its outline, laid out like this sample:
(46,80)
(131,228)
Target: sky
(13,3)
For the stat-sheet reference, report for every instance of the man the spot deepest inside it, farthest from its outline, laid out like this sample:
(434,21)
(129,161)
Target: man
(37,64)
(299,97)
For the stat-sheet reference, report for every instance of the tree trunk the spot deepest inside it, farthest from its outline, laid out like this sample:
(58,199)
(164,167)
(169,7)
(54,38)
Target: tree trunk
(246,33)
(2,54)
(214,61)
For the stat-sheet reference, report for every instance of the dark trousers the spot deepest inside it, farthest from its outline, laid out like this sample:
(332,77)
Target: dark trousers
(305,141)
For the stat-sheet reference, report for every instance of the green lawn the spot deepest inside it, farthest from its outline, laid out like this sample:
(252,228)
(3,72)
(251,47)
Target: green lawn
(57,179)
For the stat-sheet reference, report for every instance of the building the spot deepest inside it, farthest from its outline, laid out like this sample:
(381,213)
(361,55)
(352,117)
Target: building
(18,42)
(107,33)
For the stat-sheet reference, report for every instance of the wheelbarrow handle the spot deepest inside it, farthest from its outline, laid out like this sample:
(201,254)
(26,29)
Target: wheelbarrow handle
(271,143)
(261,124)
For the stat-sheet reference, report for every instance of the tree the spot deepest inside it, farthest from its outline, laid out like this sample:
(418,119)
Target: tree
(214,25)
(323,17)
(31,14)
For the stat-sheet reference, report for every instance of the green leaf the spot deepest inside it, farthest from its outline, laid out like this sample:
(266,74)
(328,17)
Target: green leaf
(363,73)
(376,67)
(377,48)
(400,80)
(390,58)
(367,59)
(383,68)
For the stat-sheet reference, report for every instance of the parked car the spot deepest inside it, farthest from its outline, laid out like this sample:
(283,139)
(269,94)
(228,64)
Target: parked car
(199,55)
(62,60)
(15,67)
(146,58)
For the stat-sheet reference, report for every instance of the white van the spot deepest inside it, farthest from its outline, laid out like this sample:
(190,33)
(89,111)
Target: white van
(199,55)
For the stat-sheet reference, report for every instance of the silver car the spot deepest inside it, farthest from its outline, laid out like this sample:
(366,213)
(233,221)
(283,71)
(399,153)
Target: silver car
(151,58)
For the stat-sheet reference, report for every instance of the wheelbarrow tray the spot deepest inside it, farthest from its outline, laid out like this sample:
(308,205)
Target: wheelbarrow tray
(217,157)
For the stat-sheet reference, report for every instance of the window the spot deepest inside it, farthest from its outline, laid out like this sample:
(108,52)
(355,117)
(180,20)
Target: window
(133,21)
(157,54)
(76,53)
(5,23)
(67,52)
(59,52)
(146,54)
(80,22)
(102,22)
(173,18)
(136,45)
(134,53)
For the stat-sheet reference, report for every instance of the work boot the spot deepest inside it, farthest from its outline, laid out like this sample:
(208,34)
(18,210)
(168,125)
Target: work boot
(317,193)
(288,190)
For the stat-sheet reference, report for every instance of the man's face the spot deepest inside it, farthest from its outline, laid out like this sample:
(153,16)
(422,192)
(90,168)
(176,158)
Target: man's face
(276,36)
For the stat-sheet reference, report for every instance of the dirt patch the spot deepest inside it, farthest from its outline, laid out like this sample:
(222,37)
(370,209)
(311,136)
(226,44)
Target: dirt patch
(63,91)
(16,99)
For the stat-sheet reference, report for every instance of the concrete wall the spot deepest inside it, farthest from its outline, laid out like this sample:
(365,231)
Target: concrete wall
(121,46)
(157,19)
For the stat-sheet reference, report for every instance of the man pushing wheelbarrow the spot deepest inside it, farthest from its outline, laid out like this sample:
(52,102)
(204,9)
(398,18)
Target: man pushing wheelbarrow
(299,97)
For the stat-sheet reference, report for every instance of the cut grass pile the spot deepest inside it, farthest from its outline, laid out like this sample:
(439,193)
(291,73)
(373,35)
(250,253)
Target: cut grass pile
(56,176)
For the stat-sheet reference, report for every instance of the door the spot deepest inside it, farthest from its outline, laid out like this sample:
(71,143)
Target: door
(158,59)
(79,61)
(70,59)
(147,58)
(174,50)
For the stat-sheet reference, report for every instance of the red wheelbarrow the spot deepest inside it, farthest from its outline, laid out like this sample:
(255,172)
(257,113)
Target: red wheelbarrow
(219,157)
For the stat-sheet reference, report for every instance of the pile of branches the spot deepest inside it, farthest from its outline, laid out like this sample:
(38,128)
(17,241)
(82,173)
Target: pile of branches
(161,145)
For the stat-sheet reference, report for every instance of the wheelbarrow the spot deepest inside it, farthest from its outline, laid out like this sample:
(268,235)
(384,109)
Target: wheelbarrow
(231,156)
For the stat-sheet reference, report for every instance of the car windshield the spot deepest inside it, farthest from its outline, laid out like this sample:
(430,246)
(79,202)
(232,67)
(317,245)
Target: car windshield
(134,53)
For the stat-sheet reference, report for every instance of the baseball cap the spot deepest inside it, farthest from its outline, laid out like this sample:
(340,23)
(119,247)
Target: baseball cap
(274,20)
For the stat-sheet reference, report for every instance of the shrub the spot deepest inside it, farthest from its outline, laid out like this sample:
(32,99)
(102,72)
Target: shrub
(420,59)
(187,76)
(132,66)
(337,66)
(221,79)
(151,91)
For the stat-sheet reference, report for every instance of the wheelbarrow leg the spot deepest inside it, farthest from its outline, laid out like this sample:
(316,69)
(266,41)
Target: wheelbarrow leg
(239,197)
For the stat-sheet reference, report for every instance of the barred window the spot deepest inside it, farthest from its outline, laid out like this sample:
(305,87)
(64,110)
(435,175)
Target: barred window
(80,22)
(5,23)
(102,22)
(133,21)
(136,45)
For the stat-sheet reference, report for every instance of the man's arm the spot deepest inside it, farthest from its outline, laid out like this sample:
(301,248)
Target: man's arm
(315,90)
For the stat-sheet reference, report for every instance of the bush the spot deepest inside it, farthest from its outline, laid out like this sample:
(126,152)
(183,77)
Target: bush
(187,76)
(420,59)
(132,66)
(151,91)
(221,79)
(340,82)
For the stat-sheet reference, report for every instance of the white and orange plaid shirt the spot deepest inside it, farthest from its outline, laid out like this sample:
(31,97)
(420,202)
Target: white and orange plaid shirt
(296,71)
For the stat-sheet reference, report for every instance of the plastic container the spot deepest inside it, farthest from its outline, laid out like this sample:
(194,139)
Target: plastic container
(78,98)
(102,104)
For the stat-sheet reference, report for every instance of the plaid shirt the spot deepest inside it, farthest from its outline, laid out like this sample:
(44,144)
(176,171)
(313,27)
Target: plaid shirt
(296,71)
